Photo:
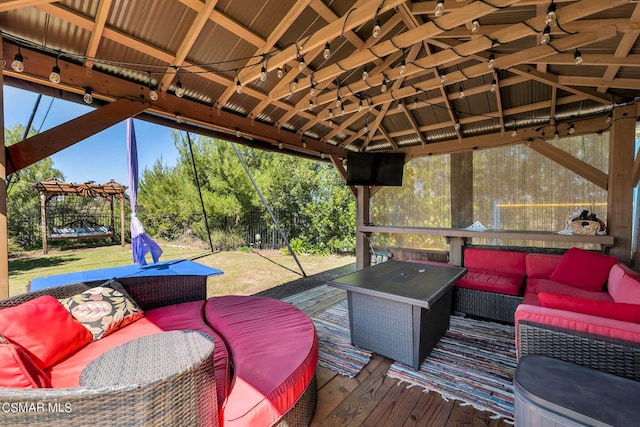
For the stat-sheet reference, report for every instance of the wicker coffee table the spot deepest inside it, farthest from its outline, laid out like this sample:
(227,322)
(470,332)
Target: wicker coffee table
(399,309)
(172,374)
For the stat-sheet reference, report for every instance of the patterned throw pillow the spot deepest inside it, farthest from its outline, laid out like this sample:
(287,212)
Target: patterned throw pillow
(103,309)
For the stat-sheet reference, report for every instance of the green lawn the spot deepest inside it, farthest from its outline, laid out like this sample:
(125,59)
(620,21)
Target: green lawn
(245,273)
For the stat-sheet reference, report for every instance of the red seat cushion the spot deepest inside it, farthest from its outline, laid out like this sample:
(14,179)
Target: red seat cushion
(275,351)
(17,370)
(537,285)
(500,283)
(610,310)
(583,269)
(44,329)
(185,316)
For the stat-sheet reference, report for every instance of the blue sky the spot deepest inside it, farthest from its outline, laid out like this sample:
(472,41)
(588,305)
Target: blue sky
(100,157)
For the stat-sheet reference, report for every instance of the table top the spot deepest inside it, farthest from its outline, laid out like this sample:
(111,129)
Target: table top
(405,282)
(148,359)
(176,267)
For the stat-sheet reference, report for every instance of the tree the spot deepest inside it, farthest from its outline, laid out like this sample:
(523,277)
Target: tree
(23,201)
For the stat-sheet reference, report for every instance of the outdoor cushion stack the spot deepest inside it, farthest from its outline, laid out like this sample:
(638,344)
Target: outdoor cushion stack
(265,351)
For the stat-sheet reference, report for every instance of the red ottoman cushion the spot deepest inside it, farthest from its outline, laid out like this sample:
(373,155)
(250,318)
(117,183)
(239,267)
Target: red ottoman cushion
(500,283)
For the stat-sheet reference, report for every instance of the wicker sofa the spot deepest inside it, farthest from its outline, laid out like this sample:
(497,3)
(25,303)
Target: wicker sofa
(260,370)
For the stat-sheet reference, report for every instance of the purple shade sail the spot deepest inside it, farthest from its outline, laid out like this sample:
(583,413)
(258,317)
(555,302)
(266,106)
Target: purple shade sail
(141,243)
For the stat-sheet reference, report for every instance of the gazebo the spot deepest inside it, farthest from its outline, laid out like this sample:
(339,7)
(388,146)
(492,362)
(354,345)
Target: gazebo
(320,79)
(56,187)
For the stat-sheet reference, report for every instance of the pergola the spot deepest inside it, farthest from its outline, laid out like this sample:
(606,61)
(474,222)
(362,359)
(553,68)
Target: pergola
(319,78)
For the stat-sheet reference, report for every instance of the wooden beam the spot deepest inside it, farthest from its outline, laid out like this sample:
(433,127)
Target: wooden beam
(45,144)
(96,34)
(9,5)
(337,163)
(620,194)
(4,230)
(363,204)
(600,82)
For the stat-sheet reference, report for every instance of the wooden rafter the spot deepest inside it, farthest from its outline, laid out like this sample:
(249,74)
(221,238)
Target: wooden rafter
(96,33)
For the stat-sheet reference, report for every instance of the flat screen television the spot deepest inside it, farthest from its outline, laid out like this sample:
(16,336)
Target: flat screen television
(375,168)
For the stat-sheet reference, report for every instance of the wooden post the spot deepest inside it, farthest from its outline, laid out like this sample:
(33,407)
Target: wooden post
(43,222)
(4,229)
(121,199)
(363,258)
(620,184)
(113,219)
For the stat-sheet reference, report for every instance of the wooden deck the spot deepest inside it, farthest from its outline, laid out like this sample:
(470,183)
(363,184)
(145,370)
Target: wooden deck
(372,398)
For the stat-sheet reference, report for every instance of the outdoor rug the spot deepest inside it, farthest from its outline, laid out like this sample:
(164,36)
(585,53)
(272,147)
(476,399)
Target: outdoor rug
(474,362)
(336,351)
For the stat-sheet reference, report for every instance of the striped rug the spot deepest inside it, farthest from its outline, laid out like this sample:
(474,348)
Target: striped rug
(336,351)
(474,363)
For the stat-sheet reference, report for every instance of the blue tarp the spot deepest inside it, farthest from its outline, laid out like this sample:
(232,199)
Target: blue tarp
(179,267)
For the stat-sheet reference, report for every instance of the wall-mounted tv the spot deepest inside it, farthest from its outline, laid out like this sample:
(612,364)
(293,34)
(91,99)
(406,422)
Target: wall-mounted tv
(375,168)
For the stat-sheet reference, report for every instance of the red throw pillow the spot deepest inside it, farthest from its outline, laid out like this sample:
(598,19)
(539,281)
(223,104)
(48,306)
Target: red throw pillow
(44,329)
(610,310)
(583,269)
(17,370)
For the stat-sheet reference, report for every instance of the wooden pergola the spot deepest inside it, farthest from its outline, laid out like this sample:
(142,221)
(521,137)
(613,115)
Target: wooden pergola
(56,187)
(319,78)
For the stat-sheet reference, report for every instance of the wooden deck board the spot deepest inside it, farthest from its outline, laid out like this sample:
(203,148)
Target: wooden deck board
(373,399)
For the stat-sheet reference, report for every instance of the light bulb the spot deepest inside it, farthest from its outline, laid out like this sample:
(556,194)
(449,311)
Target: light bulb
(461,93)
(577,57)
(54,77)
(443,77)
(376,29)
(550,19)
(572,129)
(609,116)
(365,129)
(301,64)
(327,51)
(403,67)
(457,125)
(365,74)
(475,26)
(415,103)
(178,118)
(383,88)
(280,145)
(263,74)
(153,95)
(238,86)
(546,35)
(238,133)
(342,110)
(494,83)
(439,8)
(88,98)
(179,89)
(311,103)
(280,73)
(338,101)
(399,106)
(370,105)
(330,113)
(18,63)
(294,84)
(312,89)
(514,133)
(359,105)
(492,61)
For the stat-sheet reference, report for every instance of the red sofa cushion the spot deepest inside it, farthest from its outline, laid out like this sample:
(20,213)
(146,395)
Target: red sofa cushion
(43,327)
(500,283)
(583,269)
(624,284)
(611,310)
(17,370)
(536,285)
(541,265)
(185,316)
(271,373)
(506,262)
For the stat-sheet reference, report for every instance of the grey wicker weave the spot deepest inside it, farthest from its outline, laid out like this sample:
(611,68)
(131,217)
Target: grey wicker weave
(614,356)
(487,305)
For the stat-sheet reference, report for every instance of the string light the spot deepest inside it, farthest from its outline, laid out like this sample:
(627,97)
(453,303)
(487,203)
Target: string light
(263,73)
(153,95)
(572,129)
(443,77)
(294,84)
(403,67)
(376,29)
(415,103)
(238,86)
(179,89)
(326,54)
(457,126)
(54,77)
(359,105)
(312,87)
(460,91)
(383,88)
(475,26)
(494,83)
(514,132)
(550,19)
(365,74)
(280,145)
(280,73)
(439,8)
(301,63)
(238,133)
(546,35)
(609,116)
(330,113)
(399,106)
(492,60)
(338,100)
(18,62)
(342,110)
(370,105)
(577,57)
(88,97)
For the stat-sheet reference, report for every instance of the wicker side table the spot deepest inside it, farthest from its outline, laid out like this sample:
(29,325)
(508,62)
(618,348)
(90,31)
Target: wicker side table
(171,376)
